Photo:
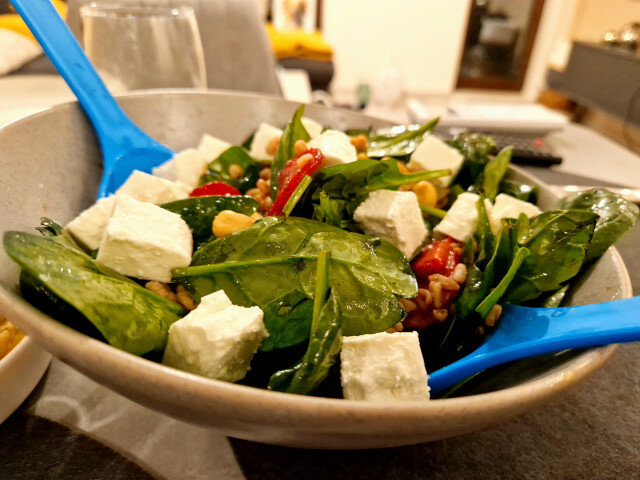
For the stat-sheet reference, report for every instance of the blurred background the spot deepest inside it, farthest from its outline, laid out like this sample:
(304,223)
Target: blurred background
(483,64)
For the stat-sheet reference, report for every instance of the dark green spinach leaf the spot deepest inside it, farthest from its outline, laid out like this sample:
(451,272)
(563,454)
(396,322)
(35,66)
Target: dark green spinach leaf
(293,132)
(521,191)
(337,191)
(615,216)
(558,241)
(398,145)
(199,212)
(494,172)
(219,169)
(275,257)
(129,316)
(476,149)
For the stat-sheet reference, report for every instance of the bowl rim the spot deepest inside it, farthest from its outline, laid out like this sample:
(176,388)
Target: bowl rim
(36,324)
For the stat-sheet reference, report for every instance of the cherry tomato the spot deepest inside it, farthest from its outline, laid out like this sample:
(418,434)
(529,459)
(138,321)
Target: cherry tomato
(214,188)
(437,257)
(291,176)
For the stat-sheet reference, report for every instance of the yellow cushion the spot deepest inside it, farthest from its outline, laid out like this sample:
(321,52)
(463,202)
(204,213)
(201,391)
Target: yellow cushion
(12,21)
(299,43)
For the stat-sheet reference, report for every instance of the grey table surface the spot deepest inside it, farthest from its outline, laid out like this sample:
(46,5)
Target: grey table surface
(63,429)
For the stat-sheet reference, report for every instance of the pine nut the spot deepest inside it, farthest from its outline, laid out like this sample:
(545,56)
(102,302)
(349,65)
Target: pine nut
(265,173)
(185,299)
(460,273)
(440,314)
(407,305)
(436,290)
(161,289)
(228,222)
(304,159)
(402,168)
(264,186)
(299,147)
(447,283)
(235,171)
(425,295)
(360,142)
(493,316)
(272,146)
(426,193)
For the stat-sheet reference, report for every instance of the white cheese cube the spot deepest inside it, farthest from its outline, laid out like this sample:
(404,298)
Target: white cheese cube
(461,219)
(261,139)
(434,154)
(145,241)
(312,127)
(88,227)
(336,148)
(216,340)
(211,147)
(506,206)
(185,167)
(394,216)
(384,367)
(147,188)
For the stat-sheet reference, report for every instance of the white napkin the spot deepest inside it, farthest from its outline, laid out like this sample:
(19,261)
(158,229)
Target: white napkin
(16,50)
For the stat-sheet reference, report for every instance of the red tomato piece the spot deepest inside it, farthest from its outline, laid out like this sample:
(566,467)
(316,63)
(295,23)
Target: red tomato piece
(214,188)
(291,176)
(437,257)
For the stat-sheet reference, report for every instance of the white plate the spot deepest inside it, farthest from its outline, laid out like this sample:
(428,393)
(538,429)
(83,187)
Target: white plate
(20,372)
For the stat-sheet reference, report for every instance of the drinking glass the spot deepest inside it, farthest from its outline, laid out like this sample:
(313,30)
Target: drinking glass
(143,46)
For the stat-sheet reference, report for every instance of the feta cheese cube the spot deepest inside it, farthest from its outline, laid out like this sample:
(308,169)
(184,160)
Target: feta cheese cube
(461,219)
(434,154)
(185,167)
(312,127)
(88,227)
(211,147)
(336,148)
(145,241)
(261,139)
(385,367)
(506,206)
(147,188)
(216,340)
(394,216)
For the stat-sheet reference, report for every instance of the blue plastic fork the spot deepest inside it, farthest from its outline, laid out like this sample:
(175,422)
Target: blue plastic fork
(525,332)
(125,147)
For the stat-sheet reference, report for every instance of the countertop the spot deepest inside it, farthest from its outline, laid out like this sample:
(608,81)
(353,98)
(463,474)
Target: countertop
(72,428)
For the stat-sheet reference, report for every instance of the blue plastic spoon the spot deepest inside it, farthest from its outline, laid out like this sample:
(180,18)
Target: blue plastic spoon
(125,147)
(525,332)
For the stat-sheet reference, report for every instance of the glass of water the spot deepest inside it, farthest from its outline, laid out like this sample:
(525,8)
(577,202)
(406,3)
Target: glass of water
(143,46)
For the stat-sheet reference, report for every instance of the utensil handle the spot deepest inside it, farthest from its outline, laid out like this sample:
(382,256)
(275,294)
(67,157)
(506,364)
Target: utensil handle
(525,332)
(115,130)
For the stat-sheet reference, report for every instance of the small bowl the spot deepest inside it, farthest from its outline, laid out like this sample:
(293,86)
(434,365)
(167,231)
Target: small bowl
(51,167)
(20,371)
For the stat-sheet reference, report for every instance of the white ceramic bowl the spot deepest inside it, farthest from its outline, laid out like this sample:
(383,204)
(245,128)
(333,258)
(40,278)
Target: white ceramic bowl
(51,167)
(20,371)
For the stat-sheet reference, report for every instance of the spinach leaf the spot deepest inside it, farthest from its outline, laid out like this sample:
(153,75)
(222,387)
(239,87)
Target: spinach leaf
(219,169)
(558,241)
(616,216)
(494,172)
(476,149)
(275,257)
(325,340)
(53,230)
(324,345)
(556,298)
(199,212)
(344,187)
(288,320)
(293,132)
(129,316)
(398,145)
(521,191)
(482,271)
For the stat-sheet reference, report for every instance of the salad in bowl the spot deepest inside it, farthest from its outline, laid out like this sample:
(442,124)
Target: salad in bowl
(315,261)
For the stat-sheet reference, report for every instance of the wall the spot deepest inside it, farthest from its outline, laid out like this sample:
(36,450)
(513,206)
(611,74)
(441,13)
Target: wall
(594,17)
(421,38)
